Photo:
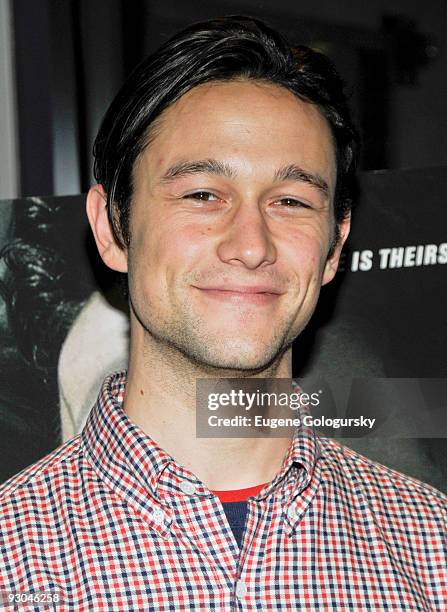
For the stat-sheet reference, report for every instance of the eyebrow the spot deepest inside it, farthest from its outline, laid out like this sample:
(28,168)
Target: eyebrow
(291,172)
(295,173)
(202,166)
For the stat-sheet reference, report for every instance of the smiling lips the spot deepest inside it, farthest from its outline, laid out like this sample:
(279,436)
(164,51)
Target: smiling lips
(254,294)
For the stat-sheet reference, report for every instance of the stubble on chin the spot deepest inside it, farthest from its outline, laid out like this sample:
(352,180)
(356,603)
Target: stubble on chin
(188,342)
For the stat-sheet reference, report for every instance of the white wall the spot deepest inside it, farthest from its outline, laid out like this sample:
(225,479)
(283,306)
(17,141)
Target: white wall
(9,182)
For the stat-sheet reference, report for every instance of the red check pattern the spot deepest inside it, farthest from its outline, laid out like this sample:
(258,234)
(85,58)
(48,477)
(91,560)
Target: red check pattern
(111,522)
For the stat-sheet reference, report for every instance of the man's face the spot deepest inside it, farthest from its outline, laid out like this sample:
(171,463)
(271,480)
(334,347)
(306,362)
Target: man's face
(231,223)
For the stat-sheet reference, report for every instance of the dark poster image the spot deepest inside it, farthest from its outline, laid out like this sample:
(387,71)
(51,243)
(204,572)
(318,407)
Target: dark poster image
(379,334)
(51,285)
(63,324)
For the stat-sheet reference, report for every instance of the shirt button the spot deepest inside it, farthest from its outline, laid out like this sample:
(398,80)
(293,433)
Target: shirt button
(158,516)
(291,512)
(187,487)
(241,589)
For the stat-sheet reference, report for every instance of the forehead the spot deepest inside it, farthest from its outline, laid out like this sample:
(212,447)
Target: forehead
(245,121)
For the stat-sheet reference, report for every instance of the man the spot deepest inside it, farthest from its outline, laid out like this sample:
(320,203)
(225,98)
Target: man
(223,170)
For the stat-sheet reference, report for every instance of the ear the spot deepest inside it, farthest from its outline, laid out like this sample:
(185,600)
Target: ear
(332,262)
(111,253)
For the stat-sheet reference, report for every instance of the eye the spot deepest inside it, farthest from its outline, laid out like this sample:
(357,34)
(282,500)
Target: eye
(202,196)
(292,202)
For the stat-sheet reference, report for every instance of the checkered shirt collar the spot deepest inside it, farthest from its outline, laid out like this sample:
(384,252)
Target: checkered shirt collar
(131,462)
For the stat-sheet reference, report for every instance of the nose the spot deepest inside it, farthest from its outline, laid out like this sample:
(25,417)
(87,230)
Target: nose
(247,240)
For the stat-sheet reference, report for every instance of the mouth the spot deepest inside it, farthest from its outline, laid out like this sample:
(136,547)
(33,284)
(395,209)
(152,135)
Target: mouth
(242,294)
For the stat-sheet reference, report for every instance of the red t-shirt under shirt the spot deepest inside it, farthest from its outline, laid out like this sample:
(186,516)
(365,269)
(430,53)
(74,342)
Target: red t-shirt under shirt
(237,495)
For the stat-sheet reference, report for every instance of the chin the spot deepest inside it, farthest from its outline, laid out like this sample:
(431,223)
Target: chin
(241,358)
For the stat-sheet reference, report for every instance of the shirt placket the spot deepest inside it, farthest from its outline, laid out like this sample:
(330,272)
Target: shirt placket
(247,590)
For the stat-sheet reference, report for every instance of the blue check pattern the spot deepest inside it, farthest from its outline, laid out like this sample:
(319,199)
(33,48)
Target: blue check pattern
(110,521)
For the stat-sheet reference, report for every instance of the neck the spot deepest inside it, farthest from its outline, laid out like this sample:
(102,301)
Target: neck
(160,398)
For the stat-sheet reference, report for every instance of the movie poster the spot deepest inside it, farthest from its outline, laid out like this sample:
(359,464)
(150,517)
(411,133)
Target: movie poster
(375,346)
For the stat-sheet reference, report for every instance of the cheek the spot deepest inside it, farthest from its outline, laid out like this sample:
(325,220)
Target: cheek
(165,254)
(306,254)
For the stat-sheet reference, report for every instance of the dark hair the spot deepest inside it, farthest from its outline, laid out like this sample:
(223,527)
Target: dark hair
(221,49)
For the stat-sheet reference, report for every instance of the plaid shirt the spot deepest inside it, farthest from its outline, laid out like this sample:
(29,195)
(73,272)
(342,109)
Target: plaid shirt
(109,521)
